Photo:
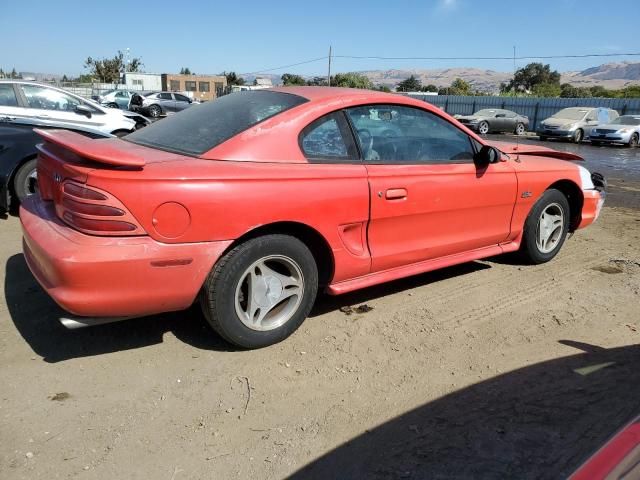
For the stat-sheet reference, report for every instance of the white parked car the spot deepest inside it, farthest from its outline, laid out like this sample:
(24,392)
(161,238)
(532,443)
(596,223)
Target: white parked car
(39,104)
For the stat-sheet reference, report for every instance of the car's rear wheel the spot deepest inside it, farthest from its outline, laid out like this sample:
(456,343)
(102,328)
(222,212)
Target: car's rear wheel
(483,128)
(113,105)
(25,182)
(261,291)
(633,141)
(520,129)
(155,111)
(546,227)
(578,135)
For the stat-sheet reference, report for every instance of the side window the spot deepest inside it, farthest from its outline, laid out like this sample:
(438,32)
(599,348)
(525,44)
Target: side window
(49,99)
(165,96)
(613,115)
(510,114)
(181,98)
(399,134)
(7,96)
(328,139)
(593,115)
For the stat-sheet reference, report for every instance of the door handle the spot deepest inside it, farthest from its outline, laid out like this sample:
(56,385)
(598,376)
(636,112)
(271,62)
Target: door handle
(43,116)
(396,193)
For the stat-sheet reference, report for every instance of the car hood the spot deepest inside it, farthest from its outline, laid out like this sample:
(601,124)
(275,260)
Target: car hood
(558,122)
(526,149)
(469,117)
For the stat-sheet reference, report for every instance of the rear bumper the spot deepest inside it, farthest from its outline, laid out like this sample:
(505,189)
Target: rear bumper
(112,277)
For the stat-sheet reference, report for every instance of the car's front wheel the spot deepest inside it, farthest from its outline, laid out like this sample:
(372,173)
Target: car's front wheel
(261,291)
(483,128)
(520,129)
(546,227)
(578,136)
(633,141)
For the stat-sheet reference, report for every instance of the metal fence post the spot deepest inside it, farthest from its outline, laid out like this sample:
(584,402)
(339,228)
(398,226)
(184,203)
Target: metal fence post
(535,116)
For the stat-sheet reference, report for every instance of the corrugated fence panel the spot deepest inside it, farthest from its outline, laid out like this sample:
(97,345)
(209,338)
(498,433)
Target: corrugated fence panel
(537,109)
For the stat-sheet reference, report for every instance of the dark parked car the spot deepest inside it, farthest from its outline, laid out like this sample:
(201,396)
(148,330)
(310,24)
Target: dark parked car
(495,120)
(18,177)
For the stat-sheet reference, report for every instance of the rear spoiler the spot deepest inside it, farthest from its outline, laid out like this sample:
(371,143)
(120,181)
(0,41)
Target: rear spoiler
(104,150)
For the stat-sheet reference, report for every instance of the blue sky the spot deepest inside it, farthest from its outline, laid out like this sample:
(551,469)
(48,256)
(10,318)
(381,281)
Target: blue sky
(248,36)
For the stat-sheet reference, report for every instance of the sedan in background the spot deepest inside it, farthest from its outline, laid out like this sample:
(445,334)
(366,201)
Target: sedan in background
(18,158)
(253,203)
(495,120)
(623,130)
(38,104)
(116,99)
(163,103)
(575,123)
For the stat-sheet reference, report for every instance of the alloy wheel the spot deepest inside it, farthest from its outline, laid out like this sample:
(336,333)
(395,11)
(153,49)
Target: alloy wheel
(550,228)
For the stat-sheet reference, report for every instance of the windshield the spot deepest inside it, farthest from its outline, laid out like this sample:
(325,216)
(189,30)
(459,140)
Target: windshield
(200,128)
(104,94)
(486,113)
(571,113)
(626,120)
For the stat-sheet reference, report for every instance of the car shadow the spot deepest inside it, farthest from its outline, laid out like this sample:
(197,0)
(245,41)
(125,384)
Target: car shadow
(541,421)
(35,316)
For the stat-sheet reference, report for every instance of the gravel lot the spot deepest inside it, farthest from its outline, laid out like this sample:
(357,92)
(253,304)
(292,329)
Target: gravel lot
(490,369)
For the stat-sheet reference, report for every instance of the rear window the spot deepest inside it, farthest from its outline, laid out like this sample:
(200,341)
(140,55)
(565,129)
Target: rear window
(202,127)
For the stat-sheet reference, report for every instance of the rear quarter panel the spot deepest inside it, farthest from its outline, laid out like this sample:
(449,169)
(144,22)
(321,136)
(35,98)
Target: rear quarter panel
(228,199)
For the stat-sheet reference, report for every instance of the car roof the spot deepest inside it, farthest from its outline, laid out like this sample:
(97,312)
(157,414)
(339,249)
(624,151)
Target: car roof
(323,93)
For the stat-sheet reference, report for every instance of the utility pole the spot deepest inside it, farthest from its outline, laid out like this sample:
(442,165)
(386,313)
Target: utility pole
(329,71)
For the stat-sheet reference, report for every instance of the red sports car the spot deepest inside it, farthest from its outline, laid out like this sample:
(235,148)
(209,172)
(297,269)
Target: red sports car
(253,202)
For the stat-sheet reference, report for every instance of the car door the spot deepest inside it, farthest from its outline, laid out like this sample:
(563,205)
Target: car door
(54,107)
(10,108)
(501,122)
(182,102)
(428,198)
(509,121)
(166,101)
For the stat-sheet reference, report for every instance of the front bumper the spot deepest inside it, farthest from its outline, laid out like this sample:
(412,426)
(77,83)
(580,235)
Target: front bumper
(610,137)
(112,276)
(554,133)
(593,203)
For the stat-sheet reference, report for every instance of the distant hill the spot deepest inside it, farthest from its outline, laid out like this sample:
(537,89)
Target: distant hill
(609,75)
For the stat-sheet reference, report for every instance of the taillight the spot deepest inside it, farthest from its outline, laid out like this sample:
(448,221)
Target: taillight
(95,212)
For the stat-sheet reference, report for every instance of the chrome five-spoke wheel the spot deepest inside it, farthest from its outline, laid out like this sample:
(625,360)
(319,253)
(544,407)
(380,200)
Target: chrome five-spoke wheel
(550,228)
(269,292)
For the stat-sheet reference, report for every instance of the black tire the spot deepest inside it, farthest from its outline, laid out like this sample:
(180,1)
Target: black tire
(542,138)
(529,248)
(113,105)
(520,129)
(25,182)
(155,111)
(483,128)
(633,141)
(218,295)
(578,136)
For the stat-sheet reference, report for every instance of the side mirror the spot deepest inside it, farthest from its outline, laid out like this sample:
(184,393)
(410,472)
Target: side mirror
(83,110)
(486,155)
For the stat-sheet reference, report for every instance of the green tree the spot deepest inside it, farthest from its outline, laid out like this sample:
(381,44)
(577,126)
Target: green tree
(430,88)
(108,70)
(351,80)
(15,74)
(531,75)
(631,92)
(461,87)
(546,90)
(292,79)
(186,71)
(383,88)
(599,91)
(411,84)
(233,78)
(569,91)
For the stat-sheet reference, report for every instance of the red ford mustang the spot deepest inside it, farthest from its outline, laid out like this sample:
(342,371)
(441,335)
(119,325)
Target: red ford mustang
(253,202)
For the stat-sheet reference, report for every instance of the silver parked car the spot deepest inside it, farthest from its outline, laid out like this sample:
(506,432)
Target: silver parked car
(624,130)
(495,120)
(575,123)
(162,103)
(37,104)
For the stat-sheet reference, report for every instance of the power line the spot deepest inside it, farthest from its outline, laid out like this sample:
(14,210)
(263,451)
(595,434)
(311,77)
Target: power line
(526,57)
(285,66)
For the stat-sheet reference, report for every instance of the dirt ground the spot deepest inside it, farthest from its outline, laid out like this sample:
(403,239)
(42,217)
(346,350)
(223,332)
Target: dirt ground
(487,370)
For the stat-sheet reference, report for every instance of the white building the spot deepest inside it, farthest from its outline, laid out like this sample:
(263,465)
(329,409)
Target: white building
(143,81)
